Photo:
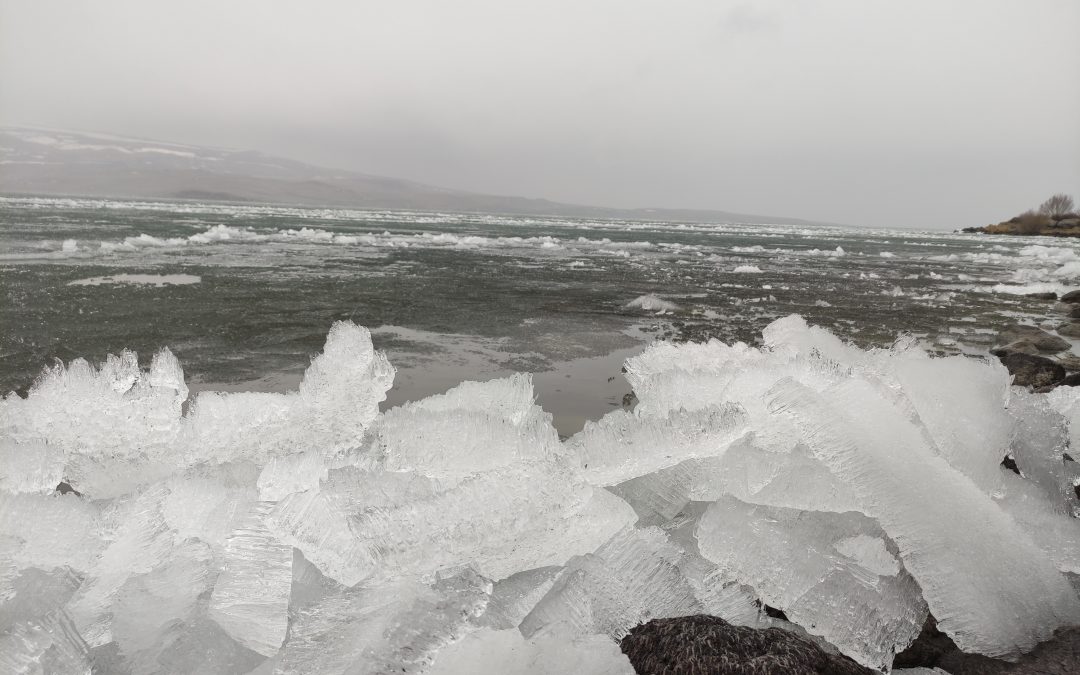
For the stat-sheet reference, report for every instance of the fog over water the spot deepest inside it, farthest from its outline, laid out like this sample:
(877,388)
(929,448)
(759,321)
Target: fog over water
(916,114)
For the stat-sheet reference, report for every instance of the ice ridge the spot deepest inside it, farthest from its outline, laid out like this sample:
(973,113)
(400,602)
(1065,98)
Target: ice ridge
(855,490)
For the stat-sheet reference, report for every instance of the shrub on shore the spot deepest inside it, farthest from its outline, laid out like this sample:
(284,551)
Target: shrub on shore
(1030,222)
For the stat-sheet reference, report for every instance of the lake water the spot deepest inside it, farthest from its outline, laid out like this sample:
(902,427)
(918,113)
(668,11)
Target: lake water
(244,295)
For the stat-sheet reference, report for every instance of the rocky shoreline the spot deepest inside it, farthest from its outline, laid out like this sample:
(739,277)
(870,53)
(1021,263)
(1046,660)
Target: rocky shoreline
(1038,358)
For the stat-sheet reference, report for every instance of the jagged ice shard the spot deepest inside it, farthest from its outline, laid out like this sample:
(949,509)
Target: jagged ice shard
(283,533)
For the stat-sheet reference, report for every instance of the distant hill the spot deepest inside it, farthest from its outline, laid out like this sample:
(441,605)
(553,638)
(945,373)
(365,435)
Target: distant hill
(49,162)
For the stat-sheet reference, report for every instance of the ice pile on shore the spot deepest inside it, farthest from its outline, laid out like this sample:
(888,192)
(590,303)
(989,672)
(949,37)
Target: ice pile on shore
(306,532)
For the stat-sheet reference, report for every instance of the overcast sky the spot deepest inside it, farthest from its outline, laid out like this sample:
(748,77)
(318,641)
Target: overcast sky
(927,113)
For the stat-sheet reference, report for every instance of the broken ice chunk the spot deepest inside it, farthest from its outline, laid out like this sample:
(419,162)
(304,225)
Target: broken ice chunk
(32,593)
(794,479)
(206,502)
(792,335)
(503,521)
(139,540)
(114,413)
(342,388)
(990,587)
(829,572)
(1041,438)
(1057,534)
(624,445)
(632,578)
(659,496)
(47,531)
(48,645)
(719,593)
(297,472)
(31,466)
(251,596)
(556,650)
(476,438)
(870,553)
(149,609)
(309,585)
(961,402)
(337,400)
(203,648)
(516,595)
(396,627)
(439,485)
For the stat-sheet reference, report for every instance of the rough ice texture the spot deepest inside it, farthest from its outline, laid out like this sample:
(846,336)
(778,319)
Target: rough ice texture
(395,627)
(556,650)
(831,573)
(112,429)
(31,466)
(47,645)
(989,586)
(444,484)
(623,445)
(251,596)
(308,532)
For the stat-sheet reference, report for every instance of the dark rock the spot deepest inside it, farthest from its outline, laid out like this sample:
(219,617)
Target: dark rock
(708,645)
(1010,463)
(1043,341)
(1072,297)
(64,488)
(1029,370)
(1060,655)
(1071,330)
(1069,362)
(771,611)
(1049,295)
(927,649)
(1074,313)
(1024,346)
(1070,380)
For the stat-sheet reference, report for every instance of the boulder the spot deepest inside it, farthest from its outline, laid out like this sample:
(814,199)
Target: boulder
(1072,297)
(1045,342)
(1049,295)
(1029,370)
(1025,346)
(1074,313)
(708,645)
(1071,330)
(1070,362)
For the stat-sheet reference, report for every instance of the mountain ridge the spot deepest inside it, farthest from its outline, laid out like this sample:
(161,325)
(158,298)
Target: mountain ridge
(50,162)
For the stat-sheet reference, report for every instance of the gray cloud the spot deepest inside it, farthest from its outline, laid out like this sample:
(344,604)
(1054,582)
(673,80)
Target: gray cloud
(924,113)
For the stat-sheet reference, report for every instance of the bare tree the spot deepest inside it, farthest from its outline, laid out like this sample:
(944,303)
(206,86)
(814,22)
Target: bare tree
(1057,206)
